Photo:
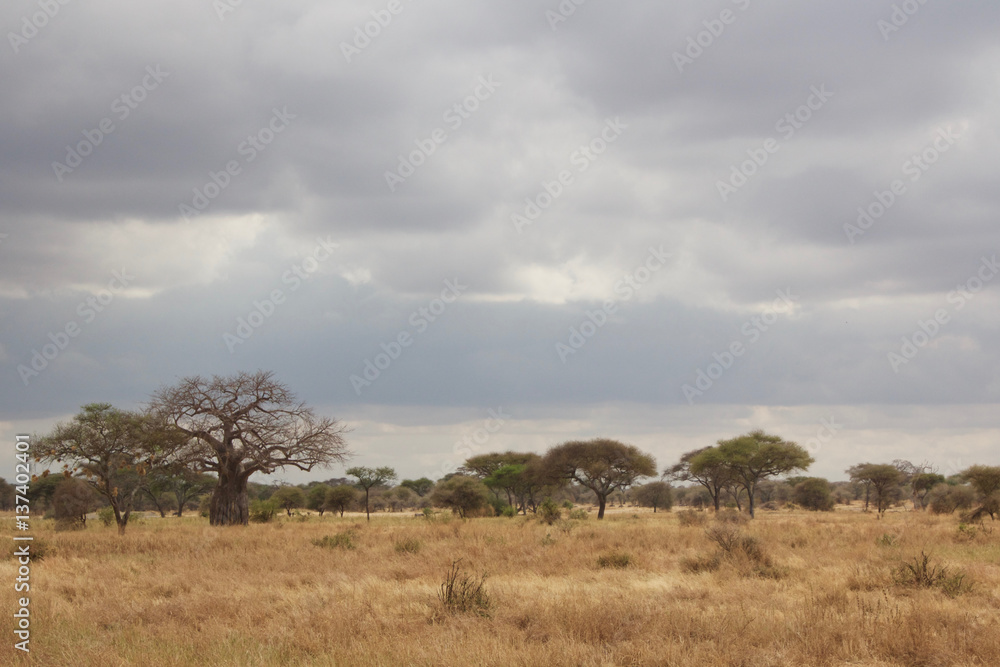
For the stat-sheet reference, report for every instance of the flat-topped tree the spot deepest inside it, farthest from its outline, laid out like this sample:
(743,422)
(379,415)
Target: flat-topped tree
(601,465)
(244,424)
(757,455)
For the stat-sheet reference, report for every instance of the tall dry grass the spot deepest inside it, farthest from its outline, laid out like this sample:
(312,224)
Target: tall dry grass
(178,592)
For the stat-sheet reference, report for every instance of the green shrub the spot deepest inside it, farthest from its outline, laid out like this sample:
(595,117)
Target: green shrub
(107,516)
(508,511)
(578,514)
(262,511)
(886,540)
(343,540)
(549,512)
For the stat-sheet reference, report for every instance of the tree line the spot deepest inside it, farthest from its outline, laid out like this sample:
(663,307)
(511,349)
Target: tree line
(199,442)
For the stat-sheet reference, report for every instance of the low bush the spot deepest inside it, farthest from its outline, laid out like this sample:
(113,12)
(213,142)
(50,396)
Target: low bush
(923,573)
(549,512)
(461,593)
(344,540)
(407,546)
(616,559)
(262,511)
(691,518)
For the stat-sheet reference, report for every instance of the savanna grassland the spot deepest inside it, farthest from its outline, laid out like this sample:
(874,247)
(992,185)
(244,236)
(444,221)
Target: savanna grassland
(633,589)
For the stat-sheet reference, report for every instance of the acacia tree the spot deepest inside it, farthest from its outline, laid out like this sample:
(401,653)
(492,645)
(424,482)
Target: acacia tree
(421,486)
(923,483)
(188,485)
(289,498)
(113,450)
(986,481)
(340,498)
(601,465)
(757,455)
(881,478)
(369,477)
(316,497)
(704,466)
(245,424)
(462,494)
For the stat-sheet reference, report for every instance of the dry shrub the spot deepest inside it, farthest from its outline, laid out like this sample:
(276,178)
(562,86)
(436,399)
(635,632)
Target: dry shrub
(744,552)
(616,559)
(689,518)
(462,594)
(409,545)
(733,517)
(923,573)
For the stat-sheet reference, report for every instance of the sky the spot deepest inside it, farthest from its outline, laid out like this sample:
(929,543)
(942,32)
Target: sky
(470,227)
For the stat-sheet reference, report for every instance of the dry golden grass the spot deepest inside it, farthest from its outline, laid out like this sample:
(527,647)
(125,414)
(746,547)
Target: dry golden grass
(177,592)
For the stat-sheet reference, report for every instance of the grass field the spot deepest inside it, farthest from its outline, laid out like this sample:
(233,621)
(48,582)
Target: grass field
(178,592)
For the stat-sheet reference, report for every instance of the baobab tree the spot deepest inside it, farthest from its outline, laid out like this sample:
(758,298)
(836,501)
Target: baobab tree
(245,424)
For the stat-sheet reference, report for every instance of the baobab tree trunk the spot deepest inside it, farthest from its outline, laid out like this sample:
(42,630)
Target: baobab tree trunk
(229,506)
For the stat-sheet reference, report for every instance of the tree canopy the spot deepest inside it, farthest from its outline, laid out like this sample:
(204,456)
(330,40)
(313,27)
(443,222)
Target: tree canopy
(601,465)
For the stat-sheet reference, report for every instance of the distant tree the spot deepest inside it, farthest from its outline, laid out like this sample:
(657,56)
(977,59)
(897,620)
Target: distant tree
(421,486)
(316,497)
(601,465)
(370,477)
(462,494)
(813,493)
(756,456)
(655,495)
(340,498)
(114,450)
(71,501)
(706,467)
(289,498)
(883,480)
(922,484)
(946,498)
(6,495)
(245,424)
(986,481)
(400,498)
(158,489)
(41,490)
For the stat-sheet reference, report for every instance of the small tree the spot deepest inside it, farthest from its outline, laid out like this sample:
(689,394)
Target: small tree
(706,467)
(289,498)
(757,456)
(986,481)
(369,477)
(340,498)
(813,493)
(655,495)
(113,450)
(922,484)
(881,478)
(316,497)
(400,498)
(462,494)
(601,465)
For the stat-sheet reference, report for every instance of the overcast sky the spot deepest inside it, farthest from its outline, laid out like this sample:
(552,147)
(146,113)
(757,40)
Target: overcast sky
(468,227)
